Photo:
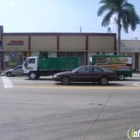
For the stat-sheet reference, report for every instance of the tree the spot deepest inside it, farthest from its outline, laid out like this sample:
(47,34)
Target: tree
(125,13)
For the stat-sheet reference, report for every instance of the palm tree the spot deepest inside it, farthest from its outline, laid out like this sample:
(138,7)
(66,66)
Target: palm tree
(125,13)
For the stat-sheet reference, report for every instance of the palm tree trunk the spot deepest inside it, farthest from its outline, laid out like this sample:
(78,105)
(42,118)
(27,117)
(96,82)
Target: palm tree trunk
(119,39)
(119,35)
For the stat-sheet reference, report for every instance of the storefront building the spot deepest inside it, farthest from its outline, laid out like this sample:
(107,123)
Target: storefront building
(15,47)
(132,47)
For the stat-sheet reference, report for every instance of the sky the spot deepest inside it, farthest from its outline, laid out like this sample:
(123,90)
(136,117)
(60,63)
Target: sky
(69,16)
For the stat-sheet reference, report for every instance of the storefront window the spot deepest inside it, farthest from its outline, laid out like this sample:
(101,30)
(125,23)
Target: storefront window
(6,60)
(82,58)
(70,54)
(0,60)
(80,55)
(12,59)
(136,61)
(62,54)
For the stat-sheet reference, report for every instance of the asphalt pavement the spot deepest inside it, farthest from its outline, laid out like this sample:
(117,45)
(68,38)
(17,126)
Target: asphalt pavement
(46,110)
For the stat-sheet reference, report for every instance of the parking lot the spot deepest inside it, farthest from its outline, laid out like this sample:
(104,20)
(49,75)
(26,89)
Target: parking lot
(46,110)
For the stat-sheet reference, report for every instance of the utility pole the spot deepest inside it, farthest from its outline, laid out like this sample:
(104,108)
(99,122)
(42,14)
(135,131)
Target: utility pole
(80,29)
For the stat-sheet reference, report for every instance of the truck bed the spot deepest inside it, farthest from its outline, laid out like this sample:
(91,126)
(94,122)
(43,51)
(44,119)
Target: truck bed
(60,63)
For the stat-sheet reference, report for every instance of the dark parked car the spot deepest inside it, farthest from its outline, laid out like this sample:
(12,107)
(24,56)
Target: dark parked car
(86,74)
(15,71)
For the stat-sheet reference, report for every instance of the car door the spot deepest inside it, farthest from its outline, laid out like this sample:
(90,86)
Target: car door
(97,73)
(17,70)
(83,74)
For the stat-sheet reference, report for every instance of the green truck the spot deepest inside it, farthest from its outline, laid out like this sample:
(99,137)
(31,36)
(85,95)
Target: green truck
(42,65)
(121,64)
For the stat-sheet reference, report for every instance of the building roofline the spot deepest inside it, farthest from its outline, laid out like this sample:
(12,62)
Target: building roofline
(58,33)
(129,40)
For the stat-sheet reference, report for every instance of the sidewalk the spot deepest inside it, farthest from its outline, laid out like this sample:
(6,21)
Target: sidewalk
(1,72)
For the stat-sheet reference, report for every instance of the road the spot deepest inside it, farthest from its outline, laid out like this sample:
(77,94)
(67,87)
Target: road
(46,110)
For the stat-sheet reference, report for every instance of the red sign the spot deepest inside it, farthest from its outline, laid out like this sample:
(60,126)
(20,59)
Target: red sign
(16,42)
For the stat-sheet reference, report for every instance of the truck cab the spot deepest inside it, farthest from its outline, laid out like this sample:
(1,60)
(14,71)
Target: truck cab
(30,66)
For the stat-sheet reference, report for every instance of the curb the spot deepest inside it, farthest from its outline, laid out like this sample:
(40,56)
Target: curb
(2,74)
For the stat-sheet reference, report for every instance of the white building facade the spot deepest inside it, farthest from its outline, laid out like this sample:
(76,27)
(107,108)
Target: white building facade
(132,47)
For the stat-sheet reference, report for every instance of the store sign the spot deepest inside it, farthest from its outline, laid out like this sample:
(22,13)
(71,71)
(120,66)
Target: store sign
(15,42)
(13,55)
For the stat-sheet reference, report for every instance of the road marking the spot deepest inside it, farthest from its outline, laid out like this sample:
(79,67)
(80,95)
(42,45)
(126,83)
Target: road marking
(136,84)
(7,82)
(80,87)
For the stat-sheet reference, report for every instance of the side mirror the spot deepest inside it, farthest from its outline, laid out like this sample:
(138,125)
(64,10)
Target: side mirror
(76,72)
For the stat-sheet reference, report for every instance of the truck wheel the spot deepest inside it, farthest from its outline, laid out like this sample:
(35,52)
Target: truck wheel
(121,77)
(65,80)
(8,74)
(32,75)
(103,81)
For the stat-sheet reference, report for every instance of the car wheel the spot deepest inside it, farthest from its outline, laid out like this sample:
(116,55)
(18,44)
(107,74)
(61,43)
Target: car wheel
(65,80)
(121,77)
(8,74)
(32,75)
(103,81)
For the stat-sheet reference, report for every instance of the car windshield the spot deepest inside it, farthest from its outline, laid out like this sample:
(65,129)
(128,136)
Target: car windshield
(17,67)
(29,60)
(83,69)
(26,62)
(73,71)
